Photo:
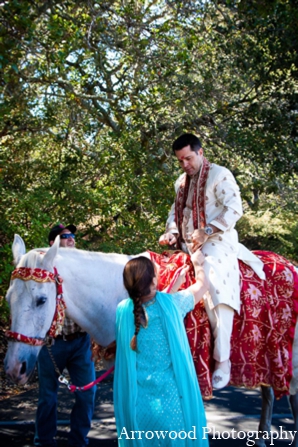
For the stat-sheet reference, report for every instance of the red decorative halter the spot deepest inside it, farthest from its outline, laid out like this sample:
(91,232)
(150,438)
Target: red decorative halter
(40,275)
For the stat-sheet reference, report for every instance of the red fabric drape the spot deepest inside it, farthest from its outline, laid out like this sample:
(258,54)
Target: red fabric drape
(263,332)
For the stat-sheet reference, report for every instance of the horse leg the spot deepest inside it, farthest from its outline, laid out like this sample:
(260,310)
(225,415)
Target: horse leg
(266,414)
(293,399)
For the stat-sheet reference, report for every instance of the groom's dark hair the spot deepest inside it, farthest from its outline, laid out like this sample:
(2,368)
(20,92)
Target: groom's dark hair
(187,139)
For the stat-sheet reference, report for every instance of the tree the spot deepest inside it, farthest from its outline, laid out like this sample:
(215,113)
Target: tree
(93,93)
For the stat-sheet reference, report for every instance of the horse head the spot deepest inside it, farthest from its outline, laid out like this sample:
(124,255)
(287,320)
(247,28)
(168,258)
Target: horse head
(32,305)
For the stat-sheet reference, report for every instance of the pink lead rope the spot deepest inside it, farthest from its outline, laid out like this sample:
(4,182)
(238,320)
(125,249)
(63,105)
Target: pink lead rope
(73,388)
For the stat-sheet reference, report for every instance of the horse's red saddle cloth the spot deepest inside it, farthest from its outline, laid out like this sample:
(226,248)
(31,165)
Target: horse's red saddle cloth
(263,333)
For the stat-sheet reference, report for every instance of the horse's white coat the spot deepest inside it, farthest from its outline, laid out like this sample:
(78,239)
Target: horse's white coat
(92,288)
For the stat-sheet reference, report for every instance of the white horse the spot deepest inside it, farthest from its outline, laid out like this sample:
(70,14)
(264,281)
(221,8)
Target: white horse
(92,288)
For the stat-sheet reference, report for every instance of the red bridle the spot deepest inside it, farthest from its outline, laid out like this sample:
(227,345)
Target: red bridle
(40,275)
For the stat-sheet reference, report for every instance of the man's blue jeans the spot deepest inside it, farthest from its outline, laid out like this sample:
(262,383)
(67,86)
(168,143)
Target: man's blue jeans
(75,355)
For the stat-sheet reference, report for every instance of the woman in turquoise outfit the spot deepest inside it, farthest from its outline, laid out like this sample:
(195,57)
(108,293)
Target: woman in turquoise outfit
(157,398)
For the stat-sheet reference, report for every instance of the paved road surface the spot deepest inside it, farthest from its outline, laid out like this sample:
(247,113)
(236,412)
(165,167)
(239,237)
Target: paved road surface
(231,414)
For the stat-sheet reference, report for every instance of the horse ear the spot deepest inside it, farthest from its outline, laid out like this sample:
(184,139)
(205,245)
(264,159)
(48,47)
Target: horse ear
(18,249)
(48,260)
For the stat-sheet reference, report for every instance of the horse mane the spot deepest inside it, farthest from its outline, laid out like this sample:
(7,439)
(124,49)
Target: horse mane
(33,258)
(74,257)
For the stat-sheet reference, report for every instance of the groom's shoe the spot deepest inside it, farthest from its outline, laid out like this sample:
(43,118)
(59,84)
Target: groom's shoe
(220,379)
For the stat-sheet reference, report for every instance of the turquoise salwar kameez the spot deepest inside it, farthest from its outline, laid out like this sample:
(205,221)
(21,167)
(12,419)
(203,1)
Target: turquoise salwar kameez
(156,394)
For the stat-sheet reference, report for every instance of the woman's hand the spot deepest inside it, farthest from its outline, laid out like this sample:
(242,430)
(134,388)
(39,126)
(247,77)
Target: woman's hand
(180,280)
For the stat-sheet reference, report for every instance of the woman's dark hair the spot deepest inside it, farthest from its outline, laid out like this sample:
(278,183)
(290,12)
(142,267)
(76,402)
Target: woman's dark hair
(138,275)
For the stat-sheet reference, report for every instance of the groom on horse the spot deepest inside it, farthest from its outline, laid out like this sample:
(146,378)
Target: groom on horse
(206,209)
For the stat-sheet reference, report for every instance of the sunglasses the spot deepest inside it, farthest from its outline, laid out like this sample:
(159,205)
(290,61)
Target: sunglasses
(67,236)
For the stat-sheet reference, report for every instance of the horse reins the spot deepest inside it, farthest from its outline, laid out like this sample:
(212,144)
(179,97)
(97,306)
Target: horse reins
(41,276)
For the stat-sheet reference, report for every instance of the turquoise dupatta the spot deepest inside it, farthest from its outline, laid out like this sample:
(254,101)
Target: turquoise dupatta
(125,376)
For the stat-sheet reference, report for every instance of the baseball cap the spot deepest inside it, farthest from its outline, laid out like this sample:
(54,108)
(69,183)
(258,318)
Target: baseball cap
(57,229)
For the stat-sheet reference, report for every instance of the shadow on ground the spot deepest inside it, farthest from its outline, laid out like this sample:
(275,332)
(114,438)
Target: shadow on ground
(230,409)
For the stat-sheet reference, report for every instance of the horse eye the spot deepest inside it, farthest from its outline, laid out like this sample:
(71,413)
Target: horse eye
(41,300)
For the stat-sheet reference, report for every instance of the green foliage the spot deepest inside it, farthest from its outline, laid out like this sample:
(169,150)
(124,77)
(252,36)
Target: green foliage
(93,94)
(6,269)
(266,231)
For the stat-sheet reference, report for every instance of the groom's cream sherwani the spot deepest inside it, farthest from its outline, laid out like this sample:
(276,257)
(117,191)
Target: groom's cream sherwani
(222,208)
